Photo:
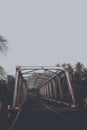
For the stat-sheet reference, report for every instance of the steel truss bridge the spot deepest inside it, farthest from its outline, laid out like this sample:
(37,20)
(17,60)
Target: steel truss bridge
(53,84)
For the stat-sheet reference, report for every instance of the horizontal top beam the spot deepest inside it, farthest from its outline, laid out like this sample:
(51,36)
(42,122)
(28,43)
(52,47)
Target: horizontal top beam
(21,68)
(39,75)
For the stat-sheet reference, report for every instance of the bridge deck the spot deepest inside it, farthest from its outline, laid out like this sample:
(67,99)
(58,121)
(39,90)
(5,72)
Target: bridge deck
(38,114)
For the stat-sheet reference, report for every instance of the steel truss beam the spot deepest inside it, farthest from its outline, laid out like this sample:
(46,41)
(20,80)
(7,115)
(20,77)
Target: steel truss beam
(49,81)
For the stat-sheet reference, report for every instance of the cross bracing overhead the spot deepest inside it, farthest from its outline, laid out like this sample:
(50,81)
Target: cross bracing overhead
(37,76)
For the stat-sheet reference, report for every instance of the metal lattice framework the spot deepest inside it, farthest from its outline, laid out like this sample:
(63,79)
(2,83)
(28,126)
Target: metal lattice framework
(52,82)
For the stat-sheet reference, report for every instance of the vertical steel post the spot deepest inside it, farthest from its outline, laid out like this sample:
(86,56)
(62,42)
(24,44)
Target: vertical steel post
(16,85)
(70,88)
(48,92)
(23,92)
(57,90)
(60,87)
(18,91)
(45,91)
(50,88)
(54,89)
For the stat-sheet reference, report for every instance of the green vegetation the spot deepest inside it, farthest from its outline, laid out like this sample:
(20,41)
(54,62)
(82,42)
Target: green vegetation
(3,44)
(77,72)
(7,89)
(3,91)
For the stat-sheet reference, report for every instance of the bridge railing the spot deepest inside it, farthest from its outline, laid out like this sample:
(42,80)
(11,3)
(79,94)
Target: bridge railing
(59,89)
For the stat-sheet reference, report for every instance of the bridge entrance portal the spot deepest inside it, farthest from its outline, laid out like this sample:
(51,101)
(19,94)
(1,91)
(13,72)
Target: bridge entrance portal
(53,84)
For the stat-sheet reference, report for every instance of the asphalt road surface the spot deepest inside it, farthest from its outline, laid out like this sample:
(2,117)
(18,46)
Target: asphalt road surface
(37,114)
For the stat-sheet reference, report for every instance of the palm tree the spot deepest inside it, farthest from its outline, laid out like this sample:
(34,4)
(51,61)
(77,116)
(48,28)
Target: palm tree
(69,68)
(2,74)
(3,44)
(85,73)
(79,70)
(58,65)
(3,49)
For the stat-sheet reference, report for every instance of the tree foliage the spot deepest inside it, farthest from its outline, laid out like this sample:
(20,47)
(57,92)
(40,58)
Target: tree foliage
(7,89)
(3,44)
(3,75)
(3,49)
(77,72)
(10,88)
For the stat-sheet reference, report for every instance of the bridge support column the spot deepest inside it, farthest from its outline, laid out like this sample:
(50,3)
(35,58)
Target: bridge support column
(70,89)
(16,84)
(54,89)
(48,91)
(60,87)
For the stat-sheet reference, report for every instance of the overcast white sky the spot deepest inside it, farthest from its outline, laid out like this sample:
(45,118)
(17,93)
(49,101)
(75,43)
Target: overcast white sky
(43,32)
